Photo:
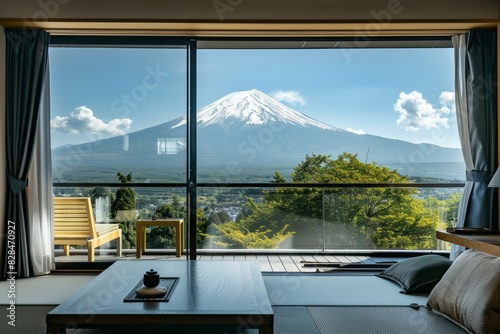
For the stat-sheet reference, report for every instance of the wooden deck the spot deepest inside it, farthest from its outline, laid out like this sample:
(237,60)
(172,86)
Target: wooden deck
(305,263)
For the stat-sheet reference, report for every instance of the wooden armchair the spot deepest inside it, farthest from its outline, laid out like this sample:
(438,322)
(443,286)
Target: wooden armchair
(74,224)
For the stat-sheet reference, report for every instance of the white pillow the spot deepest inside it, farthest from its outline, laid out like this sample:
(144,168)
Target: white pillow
(469,292)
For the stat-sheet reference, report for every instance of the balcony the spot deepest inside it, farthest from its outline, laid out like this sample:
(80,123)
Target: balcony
(285,226)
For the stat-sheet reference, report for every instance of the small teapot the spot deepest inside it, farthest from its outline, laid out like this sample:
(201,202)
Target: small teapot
(151,279)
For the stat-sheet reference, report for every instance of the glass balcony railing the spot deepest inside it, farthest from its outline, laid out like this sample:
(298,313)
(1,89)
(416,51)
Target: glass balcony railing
(287,217)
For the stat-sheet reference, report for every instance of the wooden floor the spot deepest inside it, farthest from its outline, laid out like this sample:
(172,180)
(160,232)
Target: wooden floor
(268,262)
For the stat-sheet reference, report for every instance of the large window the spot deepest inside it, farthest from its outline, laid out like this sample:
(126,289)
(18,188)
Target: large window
(300,144)
(327,113)
(117,109)
(263,110)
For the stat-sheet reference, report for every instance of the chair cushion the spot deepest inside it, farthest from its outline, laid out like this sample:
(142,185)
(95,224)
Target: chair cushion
(469,292)
(417,274)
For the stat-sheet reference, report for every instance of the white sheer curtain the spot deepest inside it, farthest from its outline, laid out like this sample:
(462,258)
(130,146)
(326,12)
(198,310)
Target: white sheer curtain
(463,128)
(40,193)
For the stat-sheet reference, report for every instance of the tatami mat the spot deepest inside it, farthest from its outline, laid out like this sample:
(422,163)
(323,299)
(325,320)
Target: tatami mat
(302,303)
(43,290)
(293,320)
(31,320)
(321,289)
(283,289)
(287,320)
(380,320)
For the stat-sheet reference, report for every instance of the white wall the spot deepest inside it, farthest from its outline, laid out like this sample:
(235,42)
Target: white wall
(3,165)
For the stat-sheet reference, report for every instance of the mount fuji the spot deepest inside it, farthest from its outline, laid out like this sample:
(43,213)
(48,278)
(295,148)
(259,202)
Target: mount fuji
(241,132)
(248,108)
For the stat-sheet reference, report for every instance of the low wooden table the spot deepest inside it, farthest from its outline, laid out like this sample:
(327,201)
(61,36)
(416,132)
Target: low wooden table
(207,293)
(176,223)
(488,243)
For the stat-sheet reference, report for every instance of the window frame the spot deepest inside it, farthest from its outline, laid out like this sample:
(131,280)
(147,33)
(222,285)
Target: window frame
(193,45)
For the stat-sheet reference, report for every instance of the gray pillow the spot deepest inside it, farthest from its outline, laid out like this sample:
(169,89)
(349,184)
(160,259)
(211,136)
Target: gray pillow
(469,292)
(417,274)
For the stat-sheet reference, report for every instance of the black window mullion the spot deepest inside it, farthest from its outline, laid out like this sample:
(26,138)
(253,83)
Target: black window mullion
(192,152)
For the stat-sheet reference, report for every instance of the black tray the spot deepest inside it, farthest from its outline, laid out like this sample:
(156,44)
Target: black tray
(471,230)
(168,283)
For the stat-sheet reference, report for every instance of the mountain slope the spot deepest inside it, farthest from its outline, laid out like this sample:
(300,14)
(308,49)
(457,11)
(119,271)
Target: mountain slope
(240,133)
(252,107)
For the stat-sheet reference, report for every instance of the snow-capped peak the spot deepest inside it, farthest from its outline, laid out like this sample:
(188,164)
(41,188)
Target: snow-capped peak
(252,107)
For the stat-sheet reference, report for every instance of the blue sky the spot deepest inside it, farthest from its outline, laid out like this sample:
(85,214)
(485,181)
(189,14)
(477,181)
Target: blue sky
(406,94)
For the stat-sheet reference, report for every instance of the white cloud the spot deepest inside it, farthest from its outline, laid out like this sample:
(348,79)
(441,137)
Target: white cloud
(447,99)
(82,120)
(289,96)
(416,113)
(359,132)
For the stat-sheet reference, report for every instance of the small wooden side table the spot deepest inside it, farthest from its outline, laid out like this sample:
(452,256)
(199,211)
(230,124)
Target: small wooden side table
(176,223)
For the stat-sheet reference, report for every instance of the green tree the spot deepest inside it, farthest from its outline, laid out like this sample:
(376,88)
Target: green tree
(101,192)
(264,228)
(123,209)
(176,204)
(168,211)
(214,219)
(371,217)
(241,237)
(218,217)
(223,216)
(452,203)
(164,237)
(410,226)
(201,228)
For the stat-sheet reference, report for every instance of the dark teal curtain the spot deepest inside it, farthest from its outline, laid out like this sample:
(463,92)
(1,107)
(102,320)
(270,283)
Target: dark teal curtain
(478,125)
(26,64)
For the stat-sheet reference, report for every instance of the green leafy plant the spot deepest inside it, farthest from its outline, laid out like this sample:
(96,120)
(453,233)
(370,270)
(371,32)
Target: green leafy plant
(123,209)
